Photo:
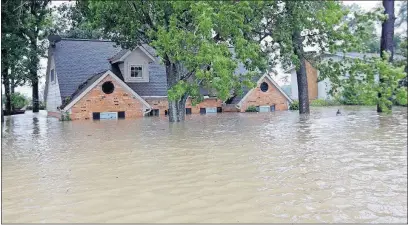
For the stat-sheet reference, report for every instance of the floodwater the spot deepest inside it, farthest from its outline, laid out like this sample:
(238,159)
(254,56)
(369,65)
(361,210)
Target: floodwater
(230,167)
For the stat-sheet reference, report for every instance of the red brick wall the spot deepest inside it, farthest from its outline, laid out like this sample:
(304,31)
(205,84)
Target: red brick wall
(158,103)
(97,101)
(271,97)
(162,104)
(229,108)
(54,114)
(209,102)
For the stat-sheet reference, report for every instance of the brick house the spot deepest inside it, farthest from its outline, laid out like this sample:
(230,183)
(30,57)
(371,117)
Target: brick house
(94,79)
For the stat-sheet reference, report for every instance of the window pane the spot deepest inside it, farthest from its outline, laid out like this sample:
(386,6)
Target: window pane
(136,71)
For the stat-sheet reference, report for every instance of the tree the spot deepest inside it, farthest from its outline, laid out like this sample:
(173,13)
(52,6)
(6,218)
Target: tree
(36,23)
(387,43)
(192,40)
(71,21)
(323,26)
(14,49)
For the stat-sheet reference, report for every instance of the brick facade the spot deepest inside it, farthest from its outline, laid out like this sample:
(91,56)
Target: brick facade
(162,104)
(311,73)
(97,101)
(123,100)
(207,103)
(271,97)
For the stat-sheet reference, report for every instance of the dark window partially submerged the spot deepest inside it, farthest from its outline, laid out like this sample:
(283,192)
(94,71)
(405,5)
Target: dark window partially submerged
(154,112)
(121,115)
(96,115)
(188,111)
(264,87)
(108,87)
(219,109)
(272,108)
(202,110)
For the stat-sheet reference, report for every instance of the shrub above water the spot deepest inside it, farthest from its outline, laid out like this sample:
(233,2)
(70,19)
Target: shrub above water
(251,108)
(294,105)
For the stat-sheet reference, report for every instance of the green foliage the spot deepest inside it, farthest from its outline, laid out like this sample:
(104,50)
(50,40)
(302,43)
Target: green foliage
(65,116)
(322,102)
(251,108)
(191,38)
(294,105)
(71,21)
(362,85)
(18,100)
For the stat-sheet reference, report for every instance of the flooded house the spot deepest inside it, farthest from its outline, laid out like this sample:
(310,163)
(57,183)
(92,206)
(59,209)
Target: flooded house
(95,79)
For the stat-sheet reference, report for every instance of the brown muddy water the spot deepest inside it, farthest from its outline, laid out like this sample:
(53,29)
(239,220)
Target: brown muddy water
(243,167)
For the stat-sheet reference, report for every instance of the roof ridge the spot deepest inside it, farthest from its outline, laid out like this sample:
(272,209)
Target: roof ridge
(84,39)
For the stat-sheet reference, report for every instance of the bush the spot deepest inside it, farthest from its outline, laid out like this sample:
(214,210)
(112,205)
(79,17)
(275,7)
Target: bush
(294,105)
(65,117)
(251,108)
(321,102)
(18,100)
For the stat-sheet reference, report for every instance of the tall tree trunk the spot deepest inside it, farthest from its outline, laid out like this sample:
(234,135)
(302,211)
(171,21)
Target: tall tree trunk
(387,37)
(303,93)
(177,108)
(6,82)
(33,74)
(12,89)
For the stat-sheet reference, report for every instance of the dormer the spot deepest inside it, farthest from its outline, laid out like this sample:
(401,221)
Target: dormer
(134,65)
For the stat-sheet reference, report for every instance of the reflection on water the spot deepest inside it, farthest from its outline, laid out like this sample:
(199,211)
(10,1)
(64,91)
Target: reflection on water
(244,167)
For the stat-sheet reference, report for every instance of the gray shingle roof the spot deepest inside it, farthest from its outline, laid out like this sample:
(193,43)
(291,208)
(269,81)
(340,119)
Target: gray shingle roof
(118,55)
(157,85)
(82,87)
(77,60)
(358,55)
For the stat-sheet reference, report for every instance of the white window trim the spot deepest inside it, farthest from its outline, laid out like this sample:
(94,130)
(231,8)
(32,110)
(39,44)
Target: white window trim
(144,78)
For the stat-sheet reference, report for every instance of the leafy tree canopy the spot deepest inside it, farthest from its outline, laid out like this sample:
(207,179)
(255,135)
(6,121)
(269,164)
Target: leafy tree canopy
(191,38)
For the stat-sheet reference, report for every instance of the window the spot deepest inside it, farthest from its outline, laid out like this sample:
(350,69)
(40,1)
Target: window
(52,75)
(202,111)
(108,87)
(121,115)
(96,116)
(264,87)
(136,71)
(188,111)
(154,112)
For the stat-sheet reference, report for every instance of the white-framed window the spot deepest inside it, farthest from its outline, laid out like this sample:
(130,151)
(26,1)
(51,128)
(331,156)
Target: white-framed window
(136,71)
(52,75)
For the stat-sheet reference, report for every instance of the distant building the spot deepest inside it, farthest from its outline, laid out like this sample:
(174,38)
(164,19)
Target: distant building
(320,90)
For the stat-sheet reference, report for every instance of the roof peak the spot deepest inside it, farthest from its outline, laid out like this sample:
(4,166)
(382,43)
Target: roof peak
(83,39)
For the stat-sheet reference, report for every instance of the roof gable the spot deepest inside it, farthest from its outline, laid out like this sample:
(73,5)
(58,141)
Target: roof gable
(266,76)
(123,54)
(77,60)
(93,81)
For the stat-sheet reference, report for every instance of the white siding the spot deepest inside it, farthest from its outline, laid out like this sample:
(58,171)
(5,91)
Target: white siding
(137,57)
(53,93)
(293,81)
